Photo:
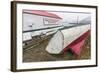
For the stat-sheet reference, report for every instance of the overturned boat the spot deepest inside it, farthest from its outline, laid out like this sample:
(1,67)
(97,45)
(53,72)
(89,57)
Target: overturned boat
(68,38)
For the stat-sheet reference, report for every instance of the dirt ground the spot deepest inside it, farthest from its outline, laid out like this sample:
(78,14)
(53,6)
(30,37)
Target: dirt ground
(38,53)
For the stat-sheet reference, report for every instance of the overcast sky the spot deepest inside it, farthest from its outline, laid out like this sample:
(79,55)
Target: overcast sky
(72,17)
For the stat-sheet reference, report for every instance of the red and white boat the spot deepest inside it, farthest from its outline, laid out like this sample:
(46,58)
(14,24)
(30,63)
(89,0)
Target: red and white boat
(71,38)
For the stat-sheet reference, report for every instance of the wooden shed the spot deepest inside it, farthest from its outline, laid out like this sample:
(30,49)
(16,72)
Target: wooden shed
(36,22)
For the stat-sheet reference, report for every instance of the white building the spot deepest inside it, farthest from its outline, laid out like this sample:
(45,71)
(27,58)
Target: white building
(36,22)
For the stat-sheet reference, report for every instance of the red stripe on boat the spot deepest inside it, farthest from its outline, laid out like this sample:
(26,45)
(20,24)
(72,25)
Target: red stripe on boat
(76,45)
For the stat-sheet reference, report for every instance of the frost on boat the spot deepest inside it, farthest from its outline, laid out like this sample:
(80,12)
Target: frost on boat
(64,37)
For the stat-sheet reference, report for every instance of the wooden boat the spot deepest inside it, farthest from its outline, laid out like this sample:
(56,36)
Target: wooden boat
(72,37)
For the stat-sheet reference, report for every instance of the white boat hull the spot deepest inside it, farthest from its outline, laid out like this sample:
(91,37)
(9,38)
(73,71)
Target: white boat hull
(65,37)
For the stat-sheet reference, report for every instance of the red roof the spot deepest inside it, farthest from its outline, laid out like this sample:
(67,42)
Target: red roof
(42,13)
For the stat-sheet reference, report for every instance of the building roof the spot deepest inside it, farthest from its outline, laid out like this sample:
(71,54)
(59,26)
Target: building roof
(42,13)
